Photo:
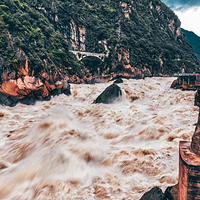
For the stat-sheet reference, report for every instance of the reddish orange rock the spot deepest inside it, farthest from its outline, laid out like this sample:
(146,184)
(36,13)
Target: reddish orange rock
(28,89)
(10,88)
(189,167)
(189,173)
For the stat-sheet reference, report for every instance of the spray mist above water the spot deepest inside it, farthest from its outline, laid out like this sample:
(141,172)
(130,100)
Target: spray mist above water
(69,148)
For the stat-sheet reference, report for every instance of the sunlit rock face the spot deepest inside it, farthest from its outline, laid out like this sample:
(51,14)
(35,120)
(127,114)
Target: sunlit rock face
(70,148)
(29,89)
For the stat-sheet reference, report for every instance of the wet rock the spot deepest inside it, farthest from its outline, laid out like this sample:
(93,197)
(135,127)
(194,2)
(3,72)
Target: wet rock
(90,80)
(8,100)
(154,194)
(28,100)
(174,84)
(66,88)
(75,79)
(125,75)
(109,95)
(147,72)
(171,193)
(62,87)
(119,80)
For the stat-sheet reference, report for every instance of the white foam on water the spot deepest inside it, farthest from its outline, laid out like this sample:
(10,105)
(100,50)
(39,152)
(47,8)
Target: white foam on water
(69,148)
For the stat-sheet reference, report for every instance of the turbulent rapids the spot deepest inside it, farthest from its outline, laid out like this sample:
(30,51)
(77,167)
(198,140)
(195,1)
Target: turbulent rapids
(69,148)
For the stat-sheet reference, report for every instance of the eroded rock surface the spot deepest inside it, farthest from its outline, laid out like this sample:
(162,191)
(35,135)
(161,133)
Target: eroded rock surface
(109,95)
(29,89)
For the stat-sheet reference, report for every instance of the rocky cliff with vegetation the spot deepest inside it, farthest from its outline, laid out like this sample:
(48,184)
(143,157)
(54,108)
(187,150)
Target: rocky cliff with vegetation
(138,38)
(193,40)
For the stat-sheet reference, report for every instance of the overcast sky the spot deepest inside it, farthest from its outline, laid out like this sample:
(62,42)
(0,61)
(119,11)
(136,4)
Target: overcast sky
(188,12)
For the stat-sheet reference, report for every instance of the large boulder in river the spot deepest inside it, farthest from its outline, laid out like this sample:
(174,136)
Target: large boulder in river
(109,95)
(154,194)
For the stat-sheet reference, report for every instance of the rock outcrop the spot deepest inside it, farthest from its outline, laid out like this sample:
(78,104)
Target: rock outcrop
(109,95)
(154,194)
(29,89)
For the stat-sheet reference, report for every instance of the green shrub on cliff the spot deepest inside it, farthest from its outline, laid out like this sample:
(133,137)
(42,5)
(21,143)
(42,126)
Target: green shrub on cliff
(41,30)
(27,32)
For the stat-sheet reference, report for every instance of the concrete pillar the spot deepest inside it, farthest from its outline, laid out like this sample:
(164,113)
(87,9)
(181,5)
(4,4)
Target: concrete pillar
(189,167)
(189,173)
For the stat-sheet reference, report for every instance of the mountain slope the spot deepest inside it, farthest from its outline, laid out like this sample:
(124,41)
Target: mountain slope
(28,33)
(194,40)
(140,38)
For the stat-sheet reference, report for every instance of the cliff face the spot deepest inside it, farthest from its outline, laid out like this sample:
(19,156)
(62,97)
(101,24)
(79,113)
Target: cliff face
(139,38)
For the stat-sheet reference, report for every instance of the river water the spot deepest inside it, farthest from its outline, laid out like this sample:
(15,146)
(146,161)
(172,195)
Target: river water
(69,148)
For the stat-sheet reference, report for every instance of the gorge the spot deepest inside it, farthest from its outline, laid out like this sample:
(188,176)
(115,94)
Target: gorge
(75,146)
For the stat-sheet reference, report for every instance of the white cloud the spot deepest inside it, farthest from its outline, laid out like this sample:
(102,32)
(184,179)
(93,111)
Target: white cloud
(190,19)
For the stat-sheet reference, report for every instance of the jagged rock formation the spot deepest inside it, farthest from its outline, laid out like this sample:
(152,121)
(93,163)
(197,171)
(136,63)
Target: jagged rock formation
(139,38)
(28,89)
(171,193)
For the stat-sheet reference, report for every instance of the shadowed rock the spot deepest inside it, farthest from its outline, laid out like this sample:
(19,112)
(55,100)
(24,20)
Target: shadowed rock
(174,84)
(28,100)
(62,87)
(8,100)
(109,95)
(119,80)
(154,194)
(171,193)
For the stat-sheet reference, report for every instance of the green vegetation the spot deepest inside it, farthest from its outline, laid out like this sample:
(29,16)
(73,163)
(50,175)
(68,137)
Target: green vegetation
(193,40)
(40,30)
(28,33)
